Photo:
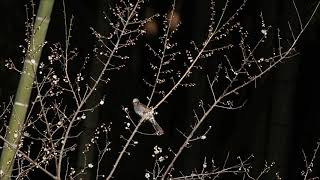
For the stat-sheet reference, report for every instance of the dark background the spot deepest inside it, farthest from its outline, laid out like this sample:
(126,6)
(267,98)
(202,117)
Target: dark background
(279,119)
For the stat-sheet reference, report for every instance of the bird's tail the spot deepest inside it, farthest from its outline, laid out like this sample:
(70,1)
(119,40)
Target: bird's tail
(157,127)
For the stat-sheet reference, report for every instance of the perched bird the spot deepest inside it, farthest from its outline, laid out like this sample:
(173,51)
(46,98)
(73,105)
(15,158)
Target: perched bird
(143,111)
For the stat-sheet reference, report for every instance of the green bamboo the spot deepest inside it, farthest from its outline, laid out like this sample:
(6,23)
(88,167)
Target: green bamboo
(23,93)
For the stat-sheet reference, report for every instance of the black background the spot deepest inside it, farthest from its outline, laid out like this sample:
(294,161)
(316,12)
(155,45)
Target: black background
(279,119)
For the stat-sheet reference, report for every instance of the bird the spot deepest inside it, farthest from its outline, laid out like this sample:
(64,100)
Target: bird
(143,111)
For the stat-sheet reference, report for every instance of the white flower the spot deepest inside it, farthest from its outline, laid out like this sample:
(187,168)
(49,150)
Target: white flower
(157,150)
(161,158)
(147,175)
(101,102)
(204,165)
(90,165)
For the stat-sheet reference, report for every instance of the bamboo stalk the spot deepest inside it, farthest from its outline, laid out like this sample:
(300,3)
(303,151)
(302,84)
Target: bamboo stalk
(23,93)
